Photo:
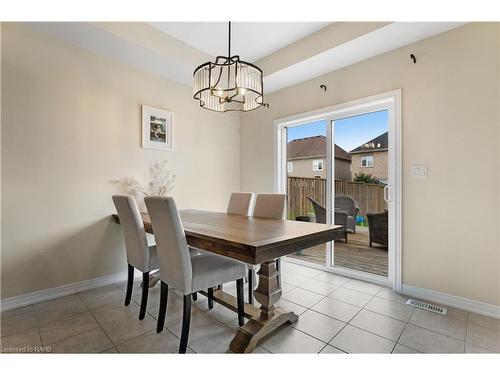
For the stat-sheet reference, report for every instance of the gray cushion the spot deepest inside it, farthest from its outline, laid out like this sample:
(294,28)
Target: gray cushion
(136,243)
(154,264)
(210,270)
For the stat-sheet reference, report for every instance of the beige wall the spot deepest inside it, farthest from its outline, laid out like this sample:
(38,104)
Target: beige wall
(380,167)
(450,102)
(0,141)
(70,124)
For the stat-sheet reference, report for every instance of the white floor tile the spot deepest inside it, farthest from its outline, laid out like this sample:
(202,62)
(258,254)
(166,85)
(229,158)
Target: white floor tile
(290,340)
(378,324)
(401,349)
(303,297)
(318,325)
(331,350)
(392,309)
(319,287)
(351,296)
(439,323)
(336,309)
(355,340)
(362,286)
(426,341)
(488,338)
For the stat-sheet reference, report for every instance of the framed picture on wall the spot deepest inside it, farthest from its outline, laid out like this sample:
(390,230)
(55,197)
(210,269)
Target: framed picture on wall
(156,128)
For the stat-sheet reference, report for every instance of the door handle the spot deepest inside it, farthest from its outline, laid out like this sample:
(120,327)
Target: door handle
(386,194)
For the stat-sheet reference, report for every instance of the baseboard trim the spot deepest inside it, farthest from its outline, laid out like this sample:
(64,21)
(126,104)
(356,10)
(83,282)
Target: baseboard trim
(462,303)
(466,304)
(60,291)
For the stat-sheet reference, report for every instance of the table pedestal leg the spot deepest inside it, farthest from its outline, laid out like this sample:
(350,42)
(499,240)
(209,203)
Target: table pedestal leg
(267,293)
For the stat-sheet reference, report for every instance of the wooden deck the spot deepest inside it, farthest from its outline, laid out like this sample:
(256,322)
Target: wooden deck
(355,254)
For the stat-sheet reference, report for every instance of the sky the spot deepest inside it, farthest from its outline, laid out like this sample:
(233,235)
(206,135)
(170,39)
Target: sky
(350,132)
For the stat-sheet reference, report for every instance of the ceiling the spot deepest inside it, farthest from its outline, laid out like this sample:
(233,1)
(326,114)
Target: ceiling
(174,55)
(385,39)
(251,40)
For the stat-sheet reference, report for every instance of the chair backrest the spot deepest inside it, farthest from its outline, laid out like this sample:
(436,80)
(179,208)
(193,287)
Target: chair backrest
(271,206)
(319,211)
(240,203)
(171,243)
(344,203)
(136,243)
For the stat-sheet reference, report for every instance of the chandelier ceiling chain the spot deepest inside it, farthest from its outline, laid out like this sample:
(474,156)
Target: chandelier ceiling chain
(228,84)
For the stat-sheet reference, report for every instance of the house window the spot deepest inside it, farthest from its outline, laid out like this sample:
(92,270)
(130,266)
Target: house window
(289,167)
(367,161)
(317,165)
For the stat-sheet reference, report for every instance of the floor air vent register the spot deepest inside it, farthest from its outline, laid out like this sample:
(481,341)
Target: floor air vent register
(427,306)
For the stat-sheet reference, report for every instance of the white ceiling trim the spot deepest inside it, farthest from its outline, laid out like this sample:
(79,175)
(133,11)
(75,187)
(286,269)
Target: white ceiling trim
(380,41)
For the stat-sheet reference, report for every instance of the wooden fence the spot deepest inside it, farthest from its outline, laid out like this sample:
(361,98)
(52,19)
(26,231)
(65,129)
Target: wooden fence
(370,197)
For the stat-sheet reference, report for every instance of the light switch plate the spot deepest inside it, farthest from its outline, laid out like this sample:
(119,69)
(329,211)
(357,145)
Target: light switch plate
(419,171)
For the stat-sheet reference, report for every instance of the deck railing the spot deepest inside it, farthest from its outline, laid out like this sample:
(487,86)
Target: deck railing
(370,197)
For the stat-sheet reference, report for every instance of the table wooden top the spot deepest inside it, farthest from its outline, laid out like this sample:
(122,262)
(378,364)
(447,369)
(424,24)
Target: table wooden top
(250,239)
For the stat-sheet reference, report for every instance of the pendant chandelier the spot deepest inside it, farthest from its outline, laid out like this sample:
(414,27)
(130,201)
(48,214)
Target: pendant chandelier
(228,84)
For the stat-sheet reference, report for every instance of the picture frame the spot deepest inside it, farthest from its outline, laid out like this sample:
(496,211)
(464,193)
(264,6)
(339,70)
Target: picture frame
(157,128)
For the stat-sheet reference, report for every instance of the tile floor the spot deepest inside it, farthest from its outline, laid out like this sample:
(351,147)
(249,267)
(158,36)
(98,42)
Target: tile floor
(336,315)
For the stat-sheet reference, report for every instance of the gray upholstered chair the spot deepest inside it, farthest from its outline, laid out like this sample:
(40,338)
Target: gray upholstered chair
(185,273)
(349,205)
(270,206)
(139,254)
(240,203)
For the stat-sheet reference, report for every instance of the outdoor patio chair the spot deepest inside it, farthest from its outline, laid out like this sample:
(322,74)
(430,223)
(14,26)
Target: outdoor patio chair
(349,205)
(378,227)
(340,217)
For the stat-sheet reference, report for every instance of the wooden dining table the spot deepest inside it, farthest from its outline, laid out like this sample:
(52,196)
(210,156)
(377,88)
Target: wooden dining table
(257,241)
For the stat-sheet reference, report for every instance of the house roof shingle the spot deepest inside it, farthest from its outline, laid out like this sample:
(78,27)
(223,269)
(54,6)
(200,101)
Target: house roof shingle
(313,147)
(379,143)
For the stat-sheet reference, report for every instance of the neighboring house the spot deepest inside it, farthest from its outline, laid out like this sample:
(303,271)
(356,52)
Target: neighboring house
(372,157)
(307,158)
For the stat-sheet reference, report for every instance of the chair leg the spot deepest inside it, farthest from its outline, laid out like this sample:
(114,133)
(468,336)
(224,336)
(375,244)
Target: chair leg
(250,286)
(144,298)
(130,284)
(195,296)
(241,302)
(162,312)
(210,298)
(186,320)
(278,268)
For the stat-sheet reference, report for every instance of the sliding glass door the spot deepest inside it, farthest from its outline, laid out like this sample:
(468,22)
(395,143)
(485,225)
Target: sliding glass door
(361,164)
(340,166)
(307,170)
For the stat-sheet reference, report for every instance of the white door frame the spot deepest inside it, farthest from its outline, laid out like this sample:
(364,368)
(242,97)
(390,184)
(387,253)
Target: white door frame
(390,101)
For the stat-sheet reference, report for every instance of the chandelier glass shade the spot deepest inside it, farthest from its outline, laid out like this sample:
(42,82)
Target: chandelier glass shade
(228,84)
